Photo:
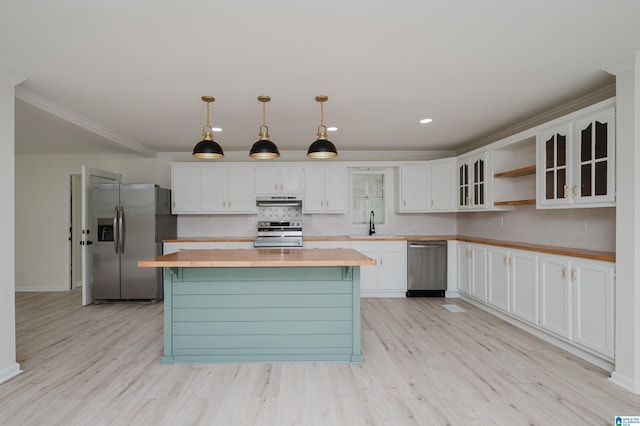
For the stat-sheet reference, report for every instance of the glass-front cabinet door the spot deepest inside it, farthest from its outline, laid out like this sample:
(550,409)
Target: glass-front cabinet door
(473,185)
(479,182)
(555,158)
(463,184)
(594,173)
(576,160)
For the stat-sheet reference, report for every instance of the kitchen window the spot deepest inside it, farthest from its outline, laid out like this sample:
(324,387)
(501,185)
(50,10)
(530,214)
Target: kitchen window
(367,194)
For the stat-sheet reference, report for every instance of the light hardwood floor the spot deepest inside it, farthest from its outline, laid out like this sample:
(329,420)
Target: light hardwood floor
(424,365)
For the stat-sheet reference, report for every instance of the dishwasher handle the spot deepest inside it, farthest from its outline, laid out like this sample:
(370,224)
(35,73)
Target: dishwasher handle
(425,246)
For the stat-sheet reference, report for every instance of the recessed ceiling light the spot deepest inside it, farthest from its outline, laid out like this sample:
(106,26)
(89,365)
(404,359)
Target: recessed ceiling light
(216,129)
(332,129)
(426,120)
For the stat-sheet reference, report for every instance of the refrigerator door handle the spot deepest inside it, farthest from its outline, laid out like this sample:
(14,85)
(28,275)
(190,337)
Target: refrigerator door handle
(123,230)
(116,234)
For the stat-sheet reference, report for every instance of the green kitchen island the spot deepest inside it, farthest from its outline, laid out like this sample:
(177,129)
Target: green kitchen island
(261,305)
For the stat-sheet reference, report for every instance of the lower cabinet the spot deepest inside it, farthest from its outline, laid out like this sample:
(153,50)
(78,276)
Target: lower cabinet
(388,278)
(567,297)
(472,270)
(555,295)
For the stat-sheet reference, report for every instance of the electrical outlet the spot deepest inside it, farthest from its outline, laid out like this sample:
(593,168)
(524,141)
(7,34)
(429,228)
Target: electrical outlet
(500,222)
(582,224)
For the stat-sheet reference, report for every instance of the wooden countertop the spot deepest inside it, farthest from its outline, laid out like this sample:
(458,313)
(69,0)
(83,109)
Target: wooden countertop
(252,258)
(606,256)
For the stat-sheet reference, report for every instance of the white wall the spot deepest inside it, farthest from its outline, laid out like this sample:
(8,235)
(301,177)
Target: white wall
(43,208)
(8,365)
(557,227)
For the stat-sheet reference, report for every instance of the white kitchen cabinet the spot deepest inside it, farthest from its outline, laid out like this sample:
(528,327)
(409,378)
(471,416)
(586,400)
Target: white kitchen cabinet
(513,282)
(498,277)
(413,187)
(464,267)
(185,189)
(593,305)
(442,185)
(388,278)
(555,296)
(324,189)
(276,180)
(472,270)
(576,159)
(427,186)
(524,285)
(473,192)
(211,189)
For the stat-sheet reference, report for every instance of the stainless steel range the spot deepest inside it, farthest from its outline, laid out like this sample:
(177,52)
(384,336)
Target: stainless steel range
(279,222)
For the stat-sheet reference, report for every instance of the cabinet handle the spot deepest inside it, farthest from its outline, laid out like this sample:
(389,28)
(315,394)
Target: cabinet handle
(564,272)
(380,261)
(280,187)
(404,203)
(431,203)
(565,195)
(504,260)
(573,274)
(573,191)
(510,260)
(327,204)
(276,185)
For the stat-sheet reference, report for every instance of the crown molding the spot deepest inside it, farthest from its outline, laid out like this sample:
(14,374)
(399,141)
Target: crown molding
(606,92)
(70,116)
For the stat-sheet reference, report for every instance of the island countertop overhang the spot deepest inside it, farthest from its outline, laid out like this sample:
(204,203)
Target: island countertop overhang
(254,258)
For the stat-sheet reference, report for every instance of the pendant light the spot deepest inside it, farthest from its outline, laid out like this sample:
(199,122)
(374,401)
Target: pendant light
(208,148)
(322,148)
(264,149)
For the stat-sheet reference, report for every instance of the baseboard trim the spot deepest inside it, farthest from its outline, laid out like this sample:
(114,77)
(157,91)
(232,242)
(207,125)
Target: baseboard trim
(9,372)
(572,349)
(625,382)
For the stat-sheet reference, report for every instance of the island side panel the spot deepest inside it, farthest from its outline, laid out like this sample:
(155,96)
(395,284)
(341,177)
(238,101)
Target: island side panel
(356,356)
(264,315)
(168,276)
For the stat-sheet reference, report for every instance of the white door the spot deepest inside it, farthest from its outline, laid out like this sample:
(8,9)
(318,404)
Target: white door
(90,176)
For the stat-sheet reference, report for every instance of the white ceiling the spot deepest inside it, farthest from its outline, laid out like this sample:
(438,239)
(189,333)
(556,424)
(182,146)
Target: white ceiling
(133,71)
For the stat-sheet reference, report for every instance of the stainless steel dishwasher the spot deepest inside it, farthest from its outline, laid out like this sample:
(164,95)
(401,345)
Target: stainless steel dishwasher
(426,268)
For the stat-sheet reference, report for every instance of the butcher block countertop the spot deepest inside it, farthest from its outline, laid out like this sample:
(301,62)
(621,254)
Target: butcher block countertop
(563,251)
(243,258)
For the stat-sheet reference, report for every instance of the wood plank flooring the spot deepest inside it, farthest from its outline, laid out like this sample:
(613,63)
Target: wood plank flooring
(424,365)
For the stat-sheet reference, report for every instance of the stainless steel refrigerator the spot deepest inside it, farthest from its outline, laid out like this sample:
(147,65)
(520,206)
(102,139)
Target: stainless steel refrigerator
(129,222)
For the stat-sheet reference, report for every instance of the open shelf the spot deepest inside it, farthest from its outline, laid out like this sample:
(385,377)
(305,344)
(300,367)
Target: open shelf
(522,171)
(514,202)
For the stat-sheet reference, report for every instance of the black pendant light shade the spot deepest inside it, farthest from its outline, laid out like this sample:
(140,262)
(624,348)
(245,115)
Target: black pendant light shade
(207,148)
(322,148)
(264,149)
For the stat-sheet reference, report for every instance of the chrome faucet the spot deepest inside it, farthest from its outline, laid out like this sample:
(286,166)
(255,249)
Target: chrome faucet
(372,226)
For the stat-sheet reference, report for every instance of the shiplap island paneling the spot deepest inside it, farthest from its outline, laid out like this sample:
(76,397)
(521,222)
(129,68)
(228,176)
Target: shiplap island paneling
(261,305)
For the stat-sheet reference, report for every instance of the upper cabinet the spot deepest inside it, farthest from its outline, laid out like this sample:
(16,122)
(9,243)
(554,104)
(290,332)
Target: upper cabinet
(273,180)
(324,189)
(208,189)
(473,191)
(576,159)
(427,186)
